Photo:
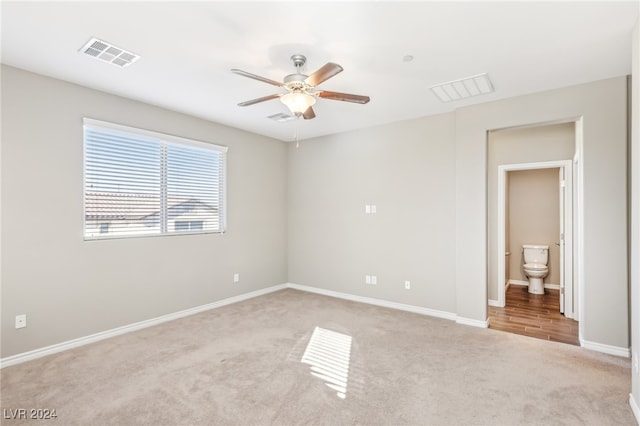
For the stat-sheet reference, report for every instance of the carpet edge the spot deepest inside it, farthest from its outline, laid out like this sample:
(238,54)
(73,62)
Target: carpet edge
(92,338)
(377,302)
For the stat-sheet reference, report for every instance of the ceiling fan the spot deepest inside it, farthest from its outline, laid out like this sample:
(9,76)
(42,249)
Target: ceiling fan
(301,94)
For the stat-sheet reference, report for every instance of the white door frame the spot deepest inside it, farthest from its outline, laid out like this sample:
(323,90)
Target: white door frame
(566,240)
(567,269)
(578,215)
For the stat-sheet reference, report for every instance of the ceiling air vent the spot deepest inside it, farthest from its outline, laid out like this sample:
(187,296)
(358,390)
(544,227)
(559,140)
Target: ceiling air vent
(281,117)
(107,52)
(463,88)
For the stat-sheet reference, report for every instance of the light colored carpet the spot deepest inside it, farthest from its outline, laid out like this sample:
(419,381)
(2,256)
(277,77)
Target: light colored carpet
(241,365)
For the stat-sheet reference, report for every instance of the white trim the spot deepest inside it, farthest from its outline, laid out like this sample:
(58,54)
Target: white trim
(81,341)
(634,408)
(393,305)
(503,169)
(579,223)
(501,243)
(494,303)
(606,349)
(91,122)
(70,344)
(376,302)
(472,322)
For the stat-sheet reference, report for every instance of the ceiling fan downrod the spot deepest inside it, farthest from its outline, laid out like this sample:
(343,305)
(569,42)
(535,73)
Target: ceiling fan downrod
(298,61)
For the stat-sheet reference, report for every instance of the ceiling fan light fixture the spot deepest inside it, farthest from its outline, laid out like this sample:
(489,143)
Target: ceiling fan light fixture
(298,102)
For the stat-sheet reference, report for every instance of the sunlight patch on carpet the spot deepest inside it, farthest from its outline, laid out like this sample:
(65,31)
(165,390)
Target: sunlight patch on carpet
(328,353)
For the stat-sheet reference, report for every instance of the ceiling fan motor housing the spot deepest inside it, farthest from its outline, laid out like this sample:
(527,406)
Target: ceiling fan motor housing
(296,82)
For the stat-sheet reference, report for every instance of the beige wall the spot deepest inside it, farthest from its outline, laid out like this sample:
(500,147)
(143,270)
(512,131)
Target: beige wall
(405,169)
(603,108)
(529,144)
(427,177)
(534,218)
(71,288)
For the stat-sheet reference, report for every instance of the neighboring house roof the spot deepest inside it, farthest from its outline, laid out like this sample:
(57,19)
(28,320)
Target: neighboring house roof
(131,206)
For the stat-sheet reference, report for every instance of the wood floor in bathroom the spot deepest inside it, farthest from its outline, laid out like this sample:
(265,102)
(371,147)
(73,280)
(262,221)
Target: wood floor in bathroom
(534,315)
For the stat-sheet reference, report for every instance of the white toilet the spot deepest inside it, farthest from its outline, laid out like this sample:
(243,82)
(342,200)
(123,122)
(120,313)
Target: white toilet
(535,266)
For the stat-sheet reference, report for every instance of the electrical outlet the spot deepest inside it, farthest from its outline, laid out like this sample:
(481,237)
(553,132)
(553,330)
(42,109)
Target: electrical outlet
(367,279)
(21,321)
(236,277)
(374,209)
(407,285)
(374,280)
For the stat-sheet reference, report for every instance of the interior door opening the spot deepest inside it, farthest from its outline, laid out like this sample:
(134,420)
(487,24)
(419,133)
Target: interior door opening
(562,247)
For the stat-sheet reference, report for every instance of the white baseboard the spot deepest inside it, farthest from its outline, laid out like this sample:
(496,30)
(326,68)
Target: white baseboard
(634,408)
(607,349)
(385,303)
(494,303)
(526,283)
(70,344)
(472,322)
(376,302)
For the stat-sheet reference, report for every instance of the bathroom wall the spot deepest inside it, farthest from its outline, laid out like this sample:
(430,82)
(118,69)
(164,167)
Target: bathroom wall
(513,146)
(534,218)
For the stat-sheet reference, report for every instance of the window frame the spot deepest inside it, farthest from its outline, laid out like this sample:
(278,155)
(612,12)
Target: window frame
(162,138)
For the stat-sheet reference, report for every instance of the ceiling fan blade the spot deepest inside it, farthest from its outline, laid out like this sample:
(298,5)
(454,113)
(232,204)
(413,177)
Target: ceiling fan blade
(255,101)
(309,114)
(347,97)
(324,73)
(256,77)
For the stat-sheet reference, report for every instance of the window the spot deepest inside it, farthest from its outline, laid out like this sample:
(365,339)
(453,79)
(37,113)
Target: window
(186,225)
(140,183)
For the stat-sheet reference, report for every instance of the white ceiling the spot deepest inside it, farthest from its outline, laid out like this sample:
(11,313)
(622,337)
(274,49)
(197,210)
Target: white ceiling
(188,48)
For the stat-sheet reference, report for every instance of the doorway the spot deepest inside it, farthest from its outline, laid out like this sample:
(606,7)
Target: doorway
(566,288)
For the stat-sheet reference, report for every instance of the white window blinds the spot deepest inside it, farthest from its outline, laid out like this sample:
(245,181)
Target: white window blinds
(139,183)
